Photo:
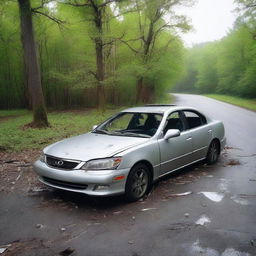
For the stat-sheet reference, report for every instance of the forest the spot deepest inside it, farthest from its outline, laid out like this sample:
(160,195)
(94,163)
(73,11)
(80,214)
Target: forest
(93,53)
(64,54)
(226,66)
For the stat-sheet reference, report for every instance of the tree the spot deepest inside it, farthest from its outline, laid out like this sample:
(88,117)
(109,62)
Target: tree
(31,65)
(153,22)
(97,12)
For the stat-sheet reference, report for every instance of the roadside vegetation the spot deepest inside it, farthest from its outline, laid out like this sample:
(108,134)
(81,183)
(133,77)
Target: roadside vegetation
(238,101)
(16,136)
(226,66)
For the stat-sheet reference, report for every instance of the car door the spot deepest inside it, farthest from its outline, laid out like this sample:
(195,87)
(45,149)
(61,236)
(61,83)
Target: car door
(200,133)
(175,152)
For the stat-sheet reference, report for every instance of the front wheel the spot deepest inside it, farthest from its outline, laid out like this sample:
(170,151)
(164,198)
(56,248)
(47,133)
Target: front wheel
(137,183)
(213,152)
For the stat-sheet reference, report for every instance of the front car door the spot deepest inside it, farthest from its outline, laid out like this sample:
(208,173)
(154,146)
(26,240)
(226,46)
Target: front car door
(175,152)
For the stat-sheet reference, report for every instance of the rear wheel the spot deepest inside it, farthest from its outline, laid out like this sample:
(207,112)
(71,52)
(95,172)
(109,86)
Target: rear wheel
(137,182)
(213,152)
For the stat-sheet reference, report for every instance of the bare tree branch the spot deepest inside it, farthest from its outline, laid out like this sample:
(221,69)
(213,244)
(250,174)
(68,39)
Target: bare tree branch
(131,48)
(56,20)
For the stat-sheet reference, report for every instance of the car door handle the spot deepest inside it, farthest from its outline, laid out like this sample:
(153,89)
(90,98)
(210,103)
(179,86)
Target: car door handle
(189,138)
(209,131)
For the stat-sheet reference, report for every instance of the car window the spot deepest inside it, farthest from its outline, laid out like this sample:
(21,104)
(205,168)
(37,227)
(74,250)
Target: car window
(132,124)
(174,122)
(194,119)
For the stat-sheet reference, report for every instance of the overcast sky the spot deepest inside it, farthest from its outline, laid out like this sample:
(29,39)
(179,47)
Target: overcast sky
(211,20)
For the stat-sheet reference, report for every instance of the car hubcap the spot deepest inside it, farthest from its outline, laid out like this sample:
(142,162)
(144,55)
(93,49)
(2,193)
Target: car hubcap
(214,152)
(140,182)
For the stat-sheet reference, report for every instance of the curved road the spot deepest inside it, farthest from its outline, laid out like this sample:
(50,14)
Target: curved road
(216,218)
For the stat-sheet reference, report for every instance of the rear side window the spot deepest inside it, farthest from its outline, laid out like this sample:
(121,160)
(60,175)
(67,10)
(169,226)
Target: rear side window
(194,119)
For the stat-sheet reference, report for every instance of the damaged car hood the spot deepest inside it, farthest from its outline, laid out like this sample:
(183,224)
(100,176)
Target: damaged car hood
(92,146)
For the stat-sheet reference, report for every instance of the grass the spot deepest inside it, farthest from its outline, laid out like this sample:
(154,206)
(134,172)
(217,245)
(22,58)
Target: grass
(13,112)
(13,137)
(238,101)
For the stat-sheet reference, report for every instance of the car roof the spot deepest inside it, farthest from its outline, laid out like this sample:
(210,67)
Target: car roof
(157,108)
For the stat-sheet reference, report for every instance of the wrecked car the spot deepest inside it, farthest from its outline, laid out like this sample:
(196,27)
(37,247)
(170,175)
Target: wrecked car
(132,149)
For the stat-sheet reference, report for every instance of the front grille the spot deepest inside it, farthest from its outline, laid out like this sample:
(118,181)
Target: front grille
(61,163)
(65,184)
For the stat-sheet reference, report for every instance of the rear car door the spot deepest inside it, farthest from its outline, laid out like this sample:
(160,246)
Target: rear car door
(175,152)
(200,133)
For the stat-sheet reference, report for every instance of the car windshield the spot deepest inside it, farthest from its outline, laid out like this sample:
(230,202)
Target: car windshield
(131,124)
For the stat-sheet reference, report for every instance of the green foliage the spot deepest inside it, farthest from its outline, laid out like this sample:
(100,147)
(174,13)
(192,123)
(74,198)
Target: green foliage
(67,54)
(227,66)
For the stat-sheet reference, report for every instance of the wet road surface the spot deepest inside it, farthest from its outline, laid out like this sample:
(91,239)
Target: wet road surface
(216,215)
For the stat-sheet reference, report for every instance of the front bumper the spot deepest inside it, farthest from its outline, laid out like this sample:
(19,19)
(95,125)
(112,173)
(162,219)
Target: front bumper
(97,183)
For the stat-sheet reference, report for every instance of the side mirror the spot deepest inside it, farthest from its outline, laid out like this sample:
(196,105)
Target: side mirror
(94,127)
(171,134)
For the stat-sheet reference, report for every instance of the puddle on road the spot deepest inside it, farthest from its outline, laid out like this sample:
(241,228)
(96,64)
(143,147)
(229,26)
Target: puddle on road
(196,249)
(233,252)
(239,200)
(203,220)
(214,196)
(223,186)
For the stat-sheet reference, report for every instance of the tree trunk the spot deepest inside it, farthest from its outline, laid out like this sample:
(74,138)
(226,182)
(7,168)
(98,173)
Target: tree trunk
(100,73)
(139,92)
(31,65)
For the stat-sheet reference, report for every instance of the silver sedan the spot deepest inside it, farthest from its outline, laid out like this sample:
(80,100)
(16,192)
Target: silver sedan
(131,150)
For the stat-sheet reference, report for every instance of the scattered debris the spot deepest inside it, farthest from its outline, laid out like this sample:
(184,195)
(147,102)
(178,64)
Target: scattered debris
(117,212)
(37,189)
(232,162)
(186,215)
(2,250)
(24,165)
(67,252)
(18,177)
(62,229)
(133,217)
(246,196)
(148,209)
(247,156)
(11,161)
(180,194)
(131,242)
(214,196)
(39,226)
(181,226)
(203,220)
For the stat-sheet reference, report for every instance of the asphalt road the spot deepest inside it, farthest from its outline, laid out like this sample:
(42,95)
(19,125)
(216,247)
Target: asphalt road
(217,219)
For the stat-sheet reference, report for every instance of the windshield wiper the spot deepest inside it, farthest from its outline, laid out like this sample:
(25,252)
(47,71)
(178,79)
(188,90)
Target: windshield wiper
(134,134)
(101,131)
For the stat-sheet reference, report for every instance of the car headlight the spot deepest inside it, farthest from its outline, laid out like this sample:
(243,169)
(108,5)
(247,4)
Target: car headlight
(42,157)
(102,164)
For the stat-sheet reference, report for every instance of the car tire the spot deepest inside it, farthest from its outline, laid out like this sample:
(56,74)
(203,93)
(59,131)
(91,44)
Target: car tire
(137,184)
(213,152)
